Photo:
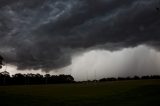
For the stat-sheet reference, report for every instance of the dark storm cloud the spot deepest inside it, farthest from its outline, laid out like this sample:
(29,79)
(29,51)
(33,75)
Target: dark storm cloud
(43,34)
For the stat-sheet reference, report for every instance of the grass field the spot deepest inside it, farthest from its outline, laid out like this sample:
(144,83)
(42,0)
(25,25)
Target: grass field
(117,93)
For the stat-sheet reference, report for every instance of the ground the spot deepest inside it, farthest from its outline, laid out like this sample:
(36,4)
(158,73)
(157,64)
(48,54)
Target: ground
(116,93)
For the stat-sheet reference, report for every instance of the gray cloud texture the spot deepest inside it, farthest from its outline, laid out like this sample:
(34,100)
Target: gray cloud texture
(43,34)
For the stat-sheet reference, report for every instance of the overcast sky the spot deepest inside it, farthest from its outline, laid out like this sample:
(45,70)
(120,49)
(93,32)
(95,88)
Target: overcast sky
(85,38)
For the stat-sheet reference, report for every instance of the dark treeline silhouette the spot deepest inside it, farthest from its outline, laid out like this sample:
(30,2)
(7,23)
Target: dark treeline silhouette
(28,79)
(123,78)
(130,78)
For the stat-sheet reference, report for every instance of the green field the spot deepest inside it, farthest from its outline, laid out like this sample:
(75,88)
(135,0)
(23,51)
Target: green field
(117,93)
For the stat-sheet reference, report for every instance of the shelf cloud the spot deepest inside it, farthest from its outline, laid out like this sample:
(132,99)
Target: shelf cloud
(45,34)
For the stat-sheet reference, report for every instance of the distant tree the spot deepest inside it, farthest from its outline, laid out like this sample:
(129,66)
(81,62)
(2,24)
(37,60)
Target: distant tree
(4,77)
(107,79)
(47,78)
(136,78)
(155,77)
(145,77)
(103,80)
(65,78)
(18,78)
(121,78)
(38,78)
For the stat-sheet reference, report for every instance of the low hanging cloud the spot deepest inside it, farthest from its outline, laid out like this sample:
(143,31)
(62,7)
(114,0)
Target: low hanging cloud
(128,62)
(44,34)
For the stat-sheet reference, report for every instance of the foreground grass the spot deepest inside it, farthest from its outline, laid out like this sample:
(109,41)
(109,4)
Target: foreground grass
(117,93)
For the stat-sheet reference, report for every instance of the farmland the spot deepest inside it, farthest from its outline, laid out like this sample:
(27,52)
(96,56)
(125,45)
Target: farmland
(111,93)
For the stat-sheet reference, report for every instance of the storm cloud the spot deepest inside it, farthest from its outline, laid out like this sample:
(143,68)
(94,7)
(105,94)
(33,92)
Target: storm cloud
(44,34)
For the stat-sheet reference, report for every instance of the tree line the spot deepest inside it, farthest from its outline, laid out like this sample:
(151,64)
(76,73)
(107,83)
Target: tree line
(123,78)
(130,78)
(29,79)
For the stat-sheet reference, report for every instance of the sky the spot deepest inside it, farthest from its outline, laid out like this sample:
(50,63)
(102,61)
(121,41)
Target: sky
(89,39)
